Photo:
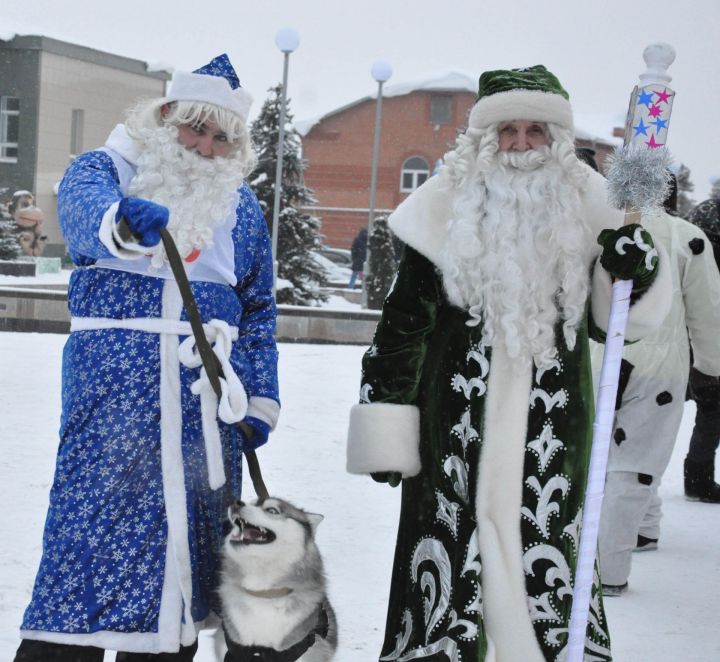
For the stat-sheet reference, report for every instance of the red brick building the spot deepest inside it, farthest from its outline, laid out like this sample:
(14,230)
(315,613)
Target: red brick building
(420,122)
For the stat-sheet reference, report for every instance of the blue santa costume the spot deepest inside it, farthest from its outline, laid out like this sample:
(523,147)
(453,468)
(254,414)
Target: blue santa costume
(148,459)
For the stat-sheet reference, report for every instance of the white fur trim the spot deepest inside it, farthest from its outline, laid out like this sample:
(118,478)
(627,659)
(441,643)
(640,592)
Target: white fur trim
(531,105)
(384,437)
(648,312)
(173,471)
(111,239)
(498,503)
(188,86)
(421,220)
(265,409)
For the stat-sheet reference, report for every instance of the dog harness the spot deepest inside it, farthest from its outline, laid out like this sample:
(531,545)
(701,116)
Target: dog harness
(239,653)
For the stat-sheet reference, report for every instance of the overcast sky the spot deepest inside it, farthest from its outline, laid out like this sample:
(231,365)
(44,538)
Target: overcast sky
(594,47)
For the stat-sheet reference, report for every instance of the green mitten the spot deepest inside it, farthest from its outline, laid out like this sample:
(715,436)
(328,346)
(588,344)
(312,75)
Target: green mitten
(392,478)
(629,254)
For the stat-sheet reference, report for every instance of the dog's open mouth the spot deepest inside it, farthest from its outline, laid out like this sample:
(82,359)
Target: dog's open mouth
(249,534)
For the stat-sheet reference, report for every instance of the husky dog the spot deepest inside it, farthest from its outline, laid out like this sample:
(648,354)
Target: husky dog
(272,589)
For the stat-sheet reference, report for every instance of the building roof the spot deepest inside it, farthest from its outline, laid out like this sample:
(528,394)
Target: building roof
(14,41)
(588,126)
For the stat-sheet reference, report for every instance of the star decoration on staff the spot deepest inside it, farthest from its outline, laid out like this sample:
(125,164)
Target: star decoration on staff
(664,96)
(645,98)
(641,127)
(659,124)
(655,111)
(652,144)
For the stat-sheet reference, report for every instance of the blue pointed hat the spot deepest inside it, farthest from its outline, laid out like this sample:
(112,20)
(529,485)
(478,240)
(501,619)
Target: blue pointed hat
(215,83)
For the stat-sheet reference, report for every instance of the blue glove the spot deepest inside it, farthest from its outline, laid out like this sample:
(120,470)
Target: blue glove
(144,218)
(260,433)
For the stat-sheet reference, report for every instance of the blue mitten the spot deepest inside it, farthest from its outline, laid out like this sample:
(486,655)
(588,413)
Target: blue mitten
(144,218)
(260,433)
(629,254)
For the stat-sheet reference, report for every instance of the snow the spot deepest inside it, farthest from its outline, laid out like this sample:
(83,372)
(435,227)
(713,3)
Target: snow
(668,615)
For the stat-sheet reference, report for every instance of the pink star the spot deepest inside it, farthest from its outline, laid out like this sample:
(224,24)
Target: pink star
(655,111)
(663,96)
(652,144)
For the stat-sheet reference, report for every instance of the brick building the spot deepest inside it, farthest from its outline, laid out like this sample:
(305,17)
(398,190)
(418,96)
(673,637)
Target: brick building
(420,121)
(57,100)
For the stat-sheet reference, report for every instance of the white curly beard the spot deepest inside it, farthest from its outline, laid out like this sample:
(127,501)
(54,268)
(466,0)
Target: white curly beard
(199,192)
(517,250)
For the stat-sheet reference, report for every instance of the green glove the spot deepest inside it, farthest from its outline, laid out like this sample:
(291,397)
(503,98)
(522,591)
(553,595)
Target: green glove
(392,478)
(629,254)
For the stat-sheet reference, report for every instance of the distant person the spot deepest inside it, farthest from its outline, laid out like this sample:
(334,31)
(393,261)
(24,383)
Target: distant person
(148,463)
(587,155)
(358,254)
(651,396)
(699,469)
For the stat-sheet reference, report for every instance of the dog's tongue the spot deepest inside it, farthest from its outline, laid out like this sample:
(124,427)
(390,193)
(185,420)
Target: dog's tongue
(251,533)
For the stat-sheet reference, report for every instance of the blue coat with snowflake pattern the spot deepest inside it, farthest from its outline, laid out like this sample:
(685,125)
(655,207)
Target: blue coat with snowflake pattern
(133,531)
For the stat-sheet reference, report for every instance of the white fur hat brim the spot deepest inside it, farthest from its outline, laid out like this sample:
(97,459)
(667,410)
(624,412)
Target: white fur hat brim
(187,86)
(531,105)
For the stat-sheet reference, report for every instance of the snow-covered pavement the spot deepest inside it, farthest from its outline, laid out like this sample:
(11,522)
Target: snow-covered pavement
(669,615)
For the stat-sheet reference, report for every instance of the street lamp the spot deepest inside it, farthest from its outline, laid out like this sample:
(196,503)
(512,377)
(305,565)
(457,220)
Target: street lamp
(381,72)
(287,40)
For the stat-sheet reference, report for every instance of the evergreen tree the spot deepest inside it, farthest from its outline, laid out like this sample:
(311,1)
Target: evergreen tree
(9,246)
(382,263)
(298,232)
(685,203)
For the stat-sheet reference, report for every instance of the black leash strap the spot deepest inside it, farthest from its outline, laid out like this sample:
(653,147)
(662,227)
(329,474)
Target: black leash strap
(210,362)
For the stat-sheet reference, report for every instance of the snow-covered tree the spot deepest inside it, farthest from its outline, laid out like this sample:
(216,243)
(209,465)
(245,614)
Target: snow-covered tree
(685,203)
(9,246)
(298,232)
(382,263)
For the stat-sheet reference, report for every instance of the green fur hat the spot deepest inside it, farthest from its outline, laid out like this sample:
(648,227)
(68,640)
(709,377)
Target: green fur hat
(533,94)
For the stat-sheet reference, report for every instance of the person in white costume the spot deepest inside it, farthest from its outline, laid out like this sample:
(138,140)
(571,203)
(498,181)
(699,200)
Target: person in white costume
(651,397)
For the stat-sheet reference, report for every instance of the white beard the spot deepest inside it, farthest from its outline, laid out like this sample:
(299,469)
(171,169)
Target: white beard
(199,192)
(517,252)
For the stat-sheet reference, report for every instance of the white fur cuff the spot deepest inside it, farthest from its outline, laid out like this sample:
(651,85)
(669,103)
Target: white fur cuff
(384,437)
(648,312)
(266,409)
(110,238)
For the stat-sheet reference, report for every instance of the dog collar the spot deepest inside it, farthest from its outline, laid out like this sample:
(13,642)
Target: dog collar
(240,653)
(270,593)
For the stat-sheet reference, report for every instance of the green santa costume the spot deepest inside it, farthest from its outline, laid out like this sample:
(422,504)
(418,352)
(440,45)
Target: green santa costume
(489,424)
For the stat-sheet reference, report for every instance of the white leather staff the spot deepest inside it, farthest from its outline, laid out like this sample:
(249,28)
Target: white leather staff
(646,128)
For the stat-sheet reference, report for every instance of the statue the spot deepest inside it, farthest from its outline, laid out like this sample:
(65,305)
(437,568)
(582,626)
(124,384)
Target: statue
(28,219)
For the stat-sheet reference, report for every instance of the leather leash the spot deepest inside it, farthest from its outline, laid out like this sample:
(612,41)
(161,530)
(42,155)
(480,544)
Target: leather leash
(209,360)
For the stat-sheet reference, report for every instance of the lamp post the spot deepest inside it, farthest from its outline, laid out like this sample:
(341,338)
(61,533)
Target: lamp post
(287,40)
(381,72)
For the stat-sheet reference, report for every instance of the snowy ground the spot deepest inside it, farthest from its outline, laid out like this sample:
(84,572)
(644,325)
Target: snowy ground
(669,615)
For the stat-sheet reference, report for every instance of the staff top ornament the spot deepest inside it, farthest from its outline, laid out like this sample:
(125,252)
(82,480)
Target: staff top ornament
(651,103)
(637,173)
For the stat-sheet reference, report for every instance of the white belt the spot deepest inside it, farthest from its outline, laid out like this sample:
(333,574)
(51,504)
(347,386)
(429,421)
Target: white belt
(233,402)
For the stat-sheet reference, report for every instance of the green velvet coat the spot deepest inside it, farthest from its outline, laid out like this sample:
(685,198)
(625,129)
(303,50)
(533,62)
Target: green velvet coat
(494,455)
(425,355)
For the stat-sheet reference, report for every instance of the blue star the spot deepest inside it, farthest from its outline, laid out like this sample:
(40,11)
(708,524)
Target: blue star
(641,128)
(659,124)
(645,98)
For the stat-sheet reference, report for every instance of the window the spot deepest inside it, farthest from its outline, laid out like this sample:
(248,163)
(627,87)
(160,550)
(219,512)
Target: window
(9,128)
(415,171)
(76,132)
(440,109)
